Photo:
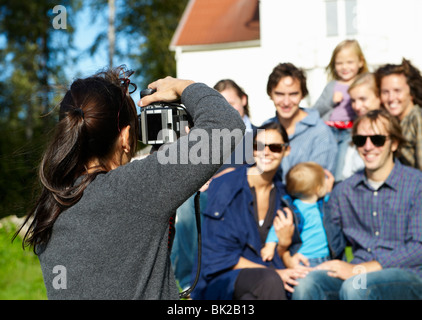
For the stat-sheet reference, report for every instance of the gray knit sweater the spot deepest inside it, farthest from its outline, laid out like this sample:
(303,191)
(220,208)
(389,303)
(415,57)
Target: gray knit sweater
(112,244)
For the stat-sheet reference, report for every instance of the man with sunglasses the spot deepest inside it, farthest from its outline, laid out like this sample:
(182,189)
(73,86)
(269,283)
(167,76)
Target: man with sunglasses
(380,212)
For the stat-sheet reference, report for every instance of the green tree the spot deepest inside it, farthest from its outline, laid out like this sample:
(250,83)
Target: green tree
(147,27)
(151,24)
(33,56)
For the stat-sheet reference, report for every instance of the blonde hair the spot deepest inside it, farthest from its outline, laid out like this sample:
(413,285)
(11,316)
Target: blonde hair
(331,68)
(304,179)
(368,79)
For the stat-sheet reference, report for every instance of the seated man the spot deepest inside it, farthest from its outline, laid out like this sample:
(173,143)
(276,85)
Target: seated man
(380,212)
(310,138)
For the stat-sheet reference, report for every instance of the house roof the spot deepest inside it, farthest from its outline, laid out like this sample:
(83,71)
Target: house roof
(207,22)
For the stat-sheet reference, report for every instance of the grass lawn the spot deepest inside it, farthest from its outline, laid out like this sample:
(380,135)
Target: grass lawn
(20,271)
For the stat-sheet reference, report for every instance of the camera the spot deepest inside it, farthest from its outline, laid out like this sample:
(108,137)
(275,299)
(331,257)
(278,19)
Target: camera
(162,122)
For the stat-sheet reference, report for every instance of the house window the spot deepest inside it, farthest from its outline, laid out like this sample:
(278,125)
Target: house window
(331,17)
(341,17)
(351,17)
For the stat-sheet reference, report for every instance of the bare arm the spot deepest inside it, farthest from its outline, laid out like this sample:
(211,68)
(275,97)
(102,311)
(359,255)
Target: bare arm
(284,228)
(244,263)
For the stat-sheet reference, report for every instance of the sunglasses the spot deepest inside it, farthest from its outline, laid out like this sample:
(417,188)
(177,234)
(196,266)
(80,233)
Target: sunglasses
(377,140)
(274,147)
(127,87)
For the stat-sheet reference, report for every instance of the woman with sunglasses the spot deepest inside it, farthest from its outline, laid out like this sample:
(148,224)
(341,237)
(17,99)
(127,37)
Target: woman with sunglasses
(242,207)
(101,224)
(380,212)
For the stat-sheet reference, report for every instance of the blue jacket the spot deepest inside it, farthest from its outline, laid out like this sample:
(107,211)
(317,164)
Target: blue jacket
(229,231)
(335,238)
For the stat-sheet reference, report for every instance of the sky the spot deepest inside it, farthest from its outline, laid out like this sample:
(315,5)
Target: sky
(86,32)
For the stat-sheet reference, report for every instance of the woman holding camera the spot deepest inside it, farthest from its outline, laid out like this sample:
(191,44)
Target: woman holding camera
(100,225)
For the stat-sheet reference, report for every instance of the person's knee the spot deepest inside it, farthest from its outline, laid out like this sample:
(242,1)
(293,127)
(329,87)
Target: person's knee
(387,284)
(309,288)
(350,290)
(269,283)
(365,286)
(272,287)
(271,279)
(259,284)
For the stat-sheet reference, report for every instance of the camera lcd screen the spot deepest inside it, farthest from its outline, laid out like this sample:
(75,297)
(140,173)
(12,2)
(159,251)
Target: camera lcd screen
(154,125)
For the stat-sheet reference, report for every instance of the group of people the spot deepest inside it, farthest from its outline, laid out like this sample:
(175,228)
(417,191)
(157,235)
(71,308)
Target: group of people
(345,172)
(275,226)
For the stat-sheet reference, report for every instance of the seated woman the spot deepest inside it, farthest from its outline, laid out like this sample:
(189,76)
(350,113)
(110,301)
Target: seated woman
(242,206)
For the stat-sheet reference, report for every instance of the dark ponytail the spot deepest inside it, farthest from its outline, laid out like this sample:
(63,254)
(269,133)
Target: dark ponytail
(92,113)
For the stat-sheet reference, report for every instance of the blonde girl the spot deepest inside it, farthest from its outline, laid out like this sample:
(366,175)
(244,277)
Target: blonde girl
(334,105)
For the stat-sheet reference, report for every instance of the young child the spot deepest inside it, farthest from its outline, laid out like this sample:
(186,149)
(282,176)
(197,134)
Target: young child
(334,105)
(306,182)
(365,96)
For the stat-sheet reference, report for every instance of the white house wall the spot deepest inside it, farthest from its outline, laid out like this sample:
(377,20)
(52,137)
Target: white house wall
(244,66)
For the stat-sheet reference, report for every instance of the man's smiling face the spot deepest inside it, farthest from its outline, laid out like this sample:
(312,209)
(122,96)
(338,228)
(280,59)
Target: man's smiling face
(286,97)
(376,159)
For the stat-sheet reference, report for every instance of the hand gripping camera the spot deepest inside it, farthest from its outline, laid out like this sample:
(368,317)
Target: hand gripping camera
(162,122)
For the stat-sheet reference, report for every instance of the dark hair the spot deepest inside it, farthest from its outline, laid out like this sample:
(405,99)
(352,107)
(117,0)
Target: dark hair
(230,84)
(412,74)
(274,125)
(92,113)
(283,70)
(391,124)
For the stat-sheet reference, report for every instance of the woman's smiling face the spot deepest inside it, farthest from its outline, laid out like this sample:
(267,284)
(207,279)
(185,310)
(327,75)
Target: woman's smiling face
(265,159)
(395,95)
